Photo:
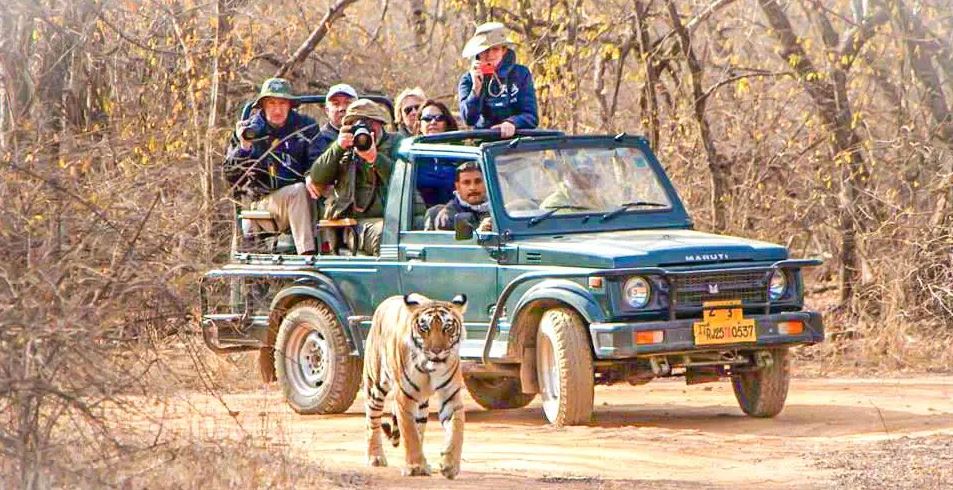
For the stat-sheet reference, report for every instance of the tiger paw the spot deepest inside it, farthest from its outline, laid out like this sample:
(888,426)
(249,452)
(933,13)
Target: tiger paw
(377,460)
(416,470)
(450,470)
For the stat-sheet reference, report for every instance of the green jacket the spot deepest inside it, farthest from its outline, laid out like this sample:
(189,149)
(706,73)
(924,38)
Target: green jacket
(360,189)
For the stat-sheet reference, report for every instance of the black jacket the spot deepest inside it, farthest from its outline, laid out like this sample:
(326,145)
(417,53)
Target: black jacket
(281,157)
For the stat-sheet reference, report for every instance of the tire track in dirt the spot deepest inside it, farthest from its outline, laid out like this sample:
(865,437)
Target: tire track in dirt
(660,435)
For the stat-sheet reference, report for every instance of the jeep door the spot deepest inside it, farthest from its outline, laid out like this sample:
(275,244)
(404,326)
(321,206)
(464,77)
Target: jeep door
(434,263)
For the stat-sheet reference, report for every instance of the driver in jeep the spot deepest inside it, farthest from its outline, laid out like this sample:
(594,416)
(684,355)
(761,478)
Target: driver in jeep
(269,155)
(578,189)
(469,196)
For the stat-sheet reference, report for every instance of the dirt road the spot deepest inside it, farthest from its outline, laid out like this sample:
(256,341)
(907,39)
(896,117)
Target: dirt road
(833,432)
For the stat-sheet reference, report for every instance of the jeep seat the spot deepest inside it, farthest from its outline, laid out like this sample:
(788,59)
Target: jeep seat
(263,241)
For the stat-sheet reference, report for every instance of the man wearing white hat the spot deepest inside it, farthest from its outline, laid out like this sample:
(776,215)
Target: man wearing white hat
(335,106)
(496,92)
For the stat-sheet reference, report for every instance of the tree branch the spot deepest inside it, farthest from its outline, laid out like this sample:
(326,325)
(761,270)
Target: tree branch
(334,12)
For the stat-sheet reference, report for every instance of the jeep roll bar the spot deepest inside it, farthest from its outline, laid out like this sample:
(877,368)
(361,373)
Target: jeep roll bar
(320,99)
(484,135)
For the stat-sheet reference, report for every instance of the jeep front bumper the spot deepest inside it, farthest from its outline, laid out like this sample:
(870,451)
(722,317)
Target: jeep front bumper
(617,340)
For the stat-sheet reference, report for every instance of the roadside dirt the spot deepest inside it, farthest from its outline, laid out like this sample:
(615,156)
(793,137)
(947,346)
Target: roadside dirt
(851,433)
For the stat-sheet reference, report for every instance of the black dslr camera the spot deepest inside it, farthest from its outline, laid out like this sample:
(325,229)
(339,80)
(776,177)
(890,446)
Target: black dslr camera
(363,139)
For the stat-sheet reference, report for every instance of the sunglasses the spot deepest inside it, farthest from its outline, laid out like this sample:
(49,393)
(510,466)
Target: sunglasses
(411,108)
(430,118)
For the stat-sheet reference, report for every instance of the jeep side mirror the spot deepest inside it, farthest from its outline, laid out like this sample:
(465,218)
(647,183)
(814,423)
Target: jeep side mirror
(463,226)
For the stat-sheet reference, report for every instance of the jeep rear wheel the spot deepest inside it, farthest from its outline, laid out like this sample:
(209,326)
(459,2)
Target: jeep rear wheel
(313,363)
(497,393)
(564,368)
(762,393)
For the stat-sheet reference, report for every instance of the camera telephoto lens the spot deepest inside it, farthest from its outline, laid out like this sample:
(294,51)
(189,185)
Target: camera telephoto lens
(362,140)
(362,136)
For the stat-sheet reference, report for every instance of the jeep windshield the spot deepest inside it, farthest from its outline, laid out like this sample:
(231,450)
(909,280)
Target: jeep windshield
(597,182)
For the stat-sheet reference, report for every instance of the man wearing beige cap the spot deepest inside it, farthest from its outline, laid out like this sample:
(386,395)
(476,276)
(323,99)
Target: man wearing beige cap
(358,166)
(497,92)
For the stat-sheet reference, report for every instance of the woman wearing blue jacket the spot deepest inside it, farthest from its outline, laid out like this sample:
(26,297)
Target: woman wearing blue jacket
(496,92)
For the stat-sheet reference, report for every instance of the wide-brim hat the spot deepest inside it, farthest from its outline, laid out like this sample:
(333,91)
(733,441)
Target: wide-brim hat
(487,35)
(368,109)
(278,88)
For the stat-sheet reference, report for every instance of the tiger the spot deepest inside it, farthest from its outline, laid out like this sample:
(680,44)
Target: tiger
(413,349)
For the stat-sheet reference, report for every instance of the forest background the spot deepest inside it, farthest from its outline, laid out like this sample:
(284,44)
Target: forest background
(823,125)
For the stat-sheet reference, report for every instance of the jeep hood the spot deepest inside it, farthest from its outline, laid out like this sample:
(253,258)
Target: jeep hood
(644,248)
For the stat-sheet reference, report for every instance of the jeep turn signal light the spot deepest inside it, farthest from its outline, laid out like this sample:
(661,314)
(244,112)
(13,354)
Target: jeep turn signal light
(649,337)
(790,328)
(595,282)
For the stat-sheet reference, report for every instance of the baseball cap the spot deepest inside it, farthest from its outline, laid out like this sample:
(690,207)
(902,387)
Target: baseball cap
(341,88)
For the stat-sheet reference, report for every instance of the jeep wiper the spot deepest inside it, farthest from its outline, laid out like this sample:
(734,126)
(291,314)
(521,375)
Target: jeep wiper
(536,219)
(626,205)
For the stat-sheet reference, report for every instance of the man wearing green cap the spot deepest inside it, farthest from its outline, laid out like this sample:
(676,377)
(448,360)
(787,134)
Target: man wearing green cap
(267,160)
(359,177)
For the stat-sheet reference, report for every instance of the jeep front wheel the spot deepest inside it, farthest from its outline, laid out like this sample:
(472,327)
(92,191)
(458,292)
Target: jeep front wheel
(762,393)
(313,363)
(497,393)
(564,368)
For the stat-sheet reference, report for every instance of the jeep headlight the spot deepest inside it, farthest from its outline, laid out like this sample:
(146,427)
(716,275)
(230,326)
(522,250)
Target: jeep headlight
(778,286)
(637,292)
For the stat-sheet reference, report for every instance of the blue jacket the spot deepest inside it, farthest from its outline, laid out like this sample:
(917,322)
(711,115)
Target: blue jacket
(258,171)
(435,180)
(328,135)
(516,101)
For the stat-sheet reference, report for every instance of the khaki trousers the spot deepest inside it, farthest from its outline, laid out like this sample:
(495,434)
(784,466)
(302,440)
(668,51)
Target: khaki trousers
(290,207)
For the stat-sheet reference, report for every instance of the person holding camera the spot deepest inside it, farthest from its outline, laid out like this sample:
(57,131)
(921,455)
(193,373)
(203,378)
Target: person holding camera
(496,92)
(269,155)
(358,165)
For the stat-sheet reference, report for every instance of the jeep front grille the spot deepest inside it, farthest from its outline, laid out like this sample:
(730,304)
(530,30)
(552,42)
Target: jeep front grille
(693,290)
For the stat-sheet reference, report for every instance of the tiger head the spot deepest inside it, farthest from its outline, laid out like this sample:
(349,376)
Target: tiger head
(437,326)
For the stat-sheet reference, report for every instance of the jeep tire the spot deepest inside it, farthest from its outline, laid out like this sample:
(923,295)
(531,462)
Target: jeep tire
(497,393)
(762,393)
(564,367)
(313,362)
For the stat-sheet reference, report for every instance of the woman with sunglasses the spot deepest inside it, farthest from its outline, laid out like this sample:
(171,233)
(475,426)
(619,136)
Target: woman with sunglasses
(435,118)
(434,177)
(407,110)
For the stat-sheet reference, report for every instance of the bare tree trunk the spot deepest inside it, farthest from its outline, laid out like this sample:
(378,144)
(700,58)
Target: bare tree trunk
(218,89)
(835,112)
(418,23)
(921,53)
(16,34)
(716,166)
(650,111)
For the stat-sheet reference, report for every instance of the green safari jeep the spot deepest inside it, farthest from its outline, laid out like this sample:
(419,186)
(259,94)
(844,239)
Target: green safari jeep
(592,274)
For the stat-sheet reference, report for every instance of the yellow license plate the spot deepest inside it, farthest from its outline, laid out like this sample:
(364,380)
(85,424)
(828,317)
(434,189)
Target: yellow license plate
(723,324)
